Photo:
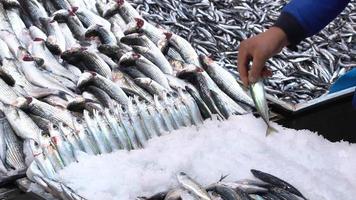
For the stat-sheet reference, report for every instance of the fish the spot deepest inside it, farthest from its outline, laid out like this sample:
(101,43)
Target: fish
(145,66)
(74,24)
(156,35)
(174,194)
(113,90)
(13,157)
(191,185)
(268,178)
(122,7)
(56,41)
(226,81)
(259,98)
(228,193)
(21,123)
(54,114)
(89,18)
(185,49)
(105,35)
(91,60)
(51,64)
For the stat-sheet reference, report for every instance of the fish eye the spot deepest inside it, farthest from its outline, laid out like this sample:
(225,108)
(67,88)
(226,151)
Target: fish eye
(55,127)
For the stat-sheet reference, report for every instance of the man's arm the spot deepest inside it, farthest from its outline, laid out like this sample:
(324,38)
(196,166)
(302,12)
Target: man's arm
(298,20)
(303,18)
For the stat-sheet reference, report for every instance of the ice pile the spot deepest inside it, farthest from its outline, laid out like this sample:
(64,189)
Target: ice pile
(320,169)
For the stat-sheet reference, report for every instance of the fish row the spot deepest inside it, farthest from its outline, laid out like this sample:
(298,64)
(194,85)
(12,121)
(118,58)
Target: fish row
(216,28)
(267,187)
(122,128)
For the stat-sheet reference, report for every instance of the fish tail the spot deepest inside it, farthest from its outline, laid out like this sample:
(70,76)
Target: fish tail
(270,130)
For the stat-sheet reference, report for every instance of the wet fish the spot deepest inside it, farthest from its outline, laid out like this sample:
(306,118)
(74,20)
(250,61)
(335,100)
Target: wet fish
(259,97)
(192,186)
(113,90)
(268,178)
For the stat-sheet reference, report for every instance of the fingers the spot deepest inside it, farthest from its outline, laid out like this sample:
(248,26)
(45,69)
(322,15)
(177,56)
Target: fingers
(242,63)
(257,67)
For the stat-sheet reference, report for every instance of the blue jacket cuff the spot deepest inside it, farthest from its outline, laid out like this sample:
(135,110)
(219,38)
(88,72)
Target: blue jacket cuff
(293,29)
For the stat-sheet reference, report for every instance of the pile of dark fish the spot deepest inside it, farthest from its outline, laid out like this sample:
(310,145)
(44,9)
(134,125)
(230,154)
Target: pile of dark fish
(217,27)
(267,187)
(94,77)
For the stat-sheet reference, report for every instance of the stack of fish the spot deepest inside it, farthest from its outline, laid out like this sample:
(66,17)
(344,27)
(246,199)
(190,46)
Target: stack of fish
(268,187)
(217,27)
(94,77)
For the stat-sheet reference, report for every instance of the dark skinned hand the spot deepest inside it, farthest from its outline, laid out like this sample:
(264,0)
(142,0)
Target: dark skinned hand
(259,49)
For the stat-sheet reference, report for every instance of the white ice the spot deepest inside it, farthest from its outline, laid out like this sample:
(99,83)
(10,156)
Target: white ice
(321,170)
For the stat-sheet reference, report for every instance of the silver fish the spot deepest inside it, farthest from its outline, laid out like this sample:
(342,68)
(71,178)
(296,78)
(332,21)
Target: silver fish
(191,185)
(259,97)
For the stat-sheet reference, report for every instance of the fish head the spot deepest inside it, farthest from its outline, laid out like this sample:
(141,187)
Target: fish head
(128,59)
(65,129)
(11,4)
(206,60)
(85,78)
(35,148)
(22,102)
(168,35)
(131,38)
(7,78)
(143,81)
(60,15)
(140,49)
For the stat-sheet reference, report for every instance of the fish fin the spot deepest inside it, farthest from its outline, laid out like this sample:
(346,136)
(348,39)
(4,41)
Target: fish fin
(223,177)
(270,130)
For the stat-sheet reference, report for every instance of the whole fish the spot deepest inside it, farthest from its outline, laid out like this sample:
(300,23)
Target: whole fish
(259,97)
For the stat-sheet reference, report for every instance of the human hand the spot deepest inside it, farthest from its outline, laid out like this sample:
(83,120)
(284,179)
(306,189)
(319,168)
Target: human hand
(259,49)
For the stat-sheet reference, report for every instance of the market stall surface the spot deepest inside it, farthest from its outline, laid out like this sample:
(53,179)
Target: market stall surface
(321,170)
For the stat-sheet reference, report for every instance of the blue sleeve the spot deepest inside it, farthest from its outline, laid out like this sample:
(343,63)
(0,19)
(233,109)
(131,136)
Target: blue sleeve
(304,18)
